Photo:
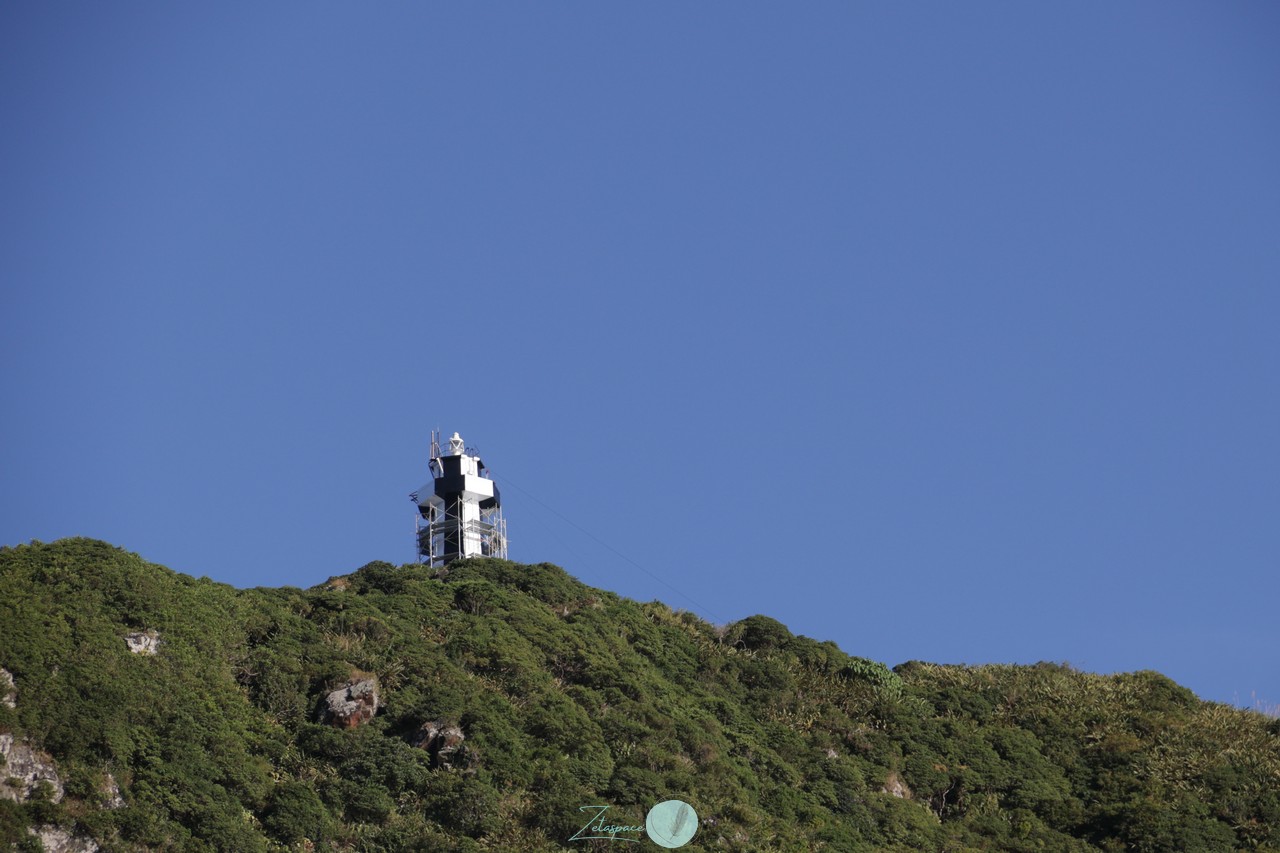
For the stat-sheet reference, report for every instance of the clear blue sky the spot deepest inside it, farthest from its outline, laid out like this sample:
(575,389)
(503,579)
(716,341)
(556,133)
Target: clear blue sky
(945,331)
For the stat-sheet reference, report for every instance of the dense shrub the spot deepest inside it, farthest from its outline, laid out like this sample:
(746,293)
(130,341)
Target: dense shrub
(295,812)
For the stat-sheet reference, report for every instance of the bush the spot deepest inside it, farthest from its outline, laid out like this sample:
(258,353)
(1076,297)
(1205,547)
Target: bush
(758,632)
(294,812)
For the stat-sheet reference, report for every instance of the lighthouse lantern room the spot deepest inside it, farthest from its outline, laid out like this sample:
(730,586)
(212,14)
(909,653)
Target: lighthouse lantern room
(460,510)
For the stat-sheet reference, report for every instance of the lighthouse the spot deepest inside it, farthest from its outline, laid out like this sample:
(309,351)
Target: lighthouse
(460,510)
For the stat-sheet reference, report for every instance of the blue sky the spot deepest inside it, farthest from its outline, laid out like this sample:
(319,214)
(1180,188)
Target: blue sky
(944,331)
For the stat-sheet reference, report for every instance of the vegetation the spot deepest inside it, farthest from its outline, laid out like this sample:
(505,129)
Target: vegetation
(570,696)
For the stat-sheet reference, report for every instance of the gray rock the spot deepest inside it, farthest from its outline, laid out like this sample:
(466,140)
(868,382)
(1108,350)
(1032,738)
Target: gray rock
(352,705)
(24,769)
(8,690)
(143,642)
(444,742)
(111,798)
(55,839)
(894,785)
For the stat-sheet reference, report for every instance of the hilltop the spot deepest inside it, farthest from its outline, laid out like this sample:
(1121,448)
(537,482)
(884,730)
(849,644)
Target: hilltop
(481,706)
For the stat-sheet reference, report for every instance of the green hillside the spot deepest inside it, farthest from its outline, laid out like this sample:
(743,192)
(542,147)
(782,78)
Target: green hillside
(509,696)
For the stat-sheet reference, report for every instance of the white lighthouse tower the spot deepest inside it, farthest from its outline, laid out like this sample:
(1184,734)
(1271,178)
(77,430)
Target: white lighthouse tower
(460,510)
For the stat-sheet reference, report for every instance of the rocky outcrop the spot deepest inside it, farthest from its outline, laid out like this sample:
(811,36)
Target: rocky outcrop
(143,642)
(352,705)
(8,690)
(55,839)
(894,785)
(24,770)
(110,792)
(444,742)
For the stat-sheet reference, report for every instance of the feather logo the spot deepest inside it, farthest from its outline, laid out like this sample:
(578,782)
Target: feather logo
(671,823)
(678,822)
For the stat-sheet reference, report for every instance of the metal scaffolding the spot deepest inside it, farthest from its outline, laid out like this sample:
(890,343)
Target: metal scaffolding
(443,535)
